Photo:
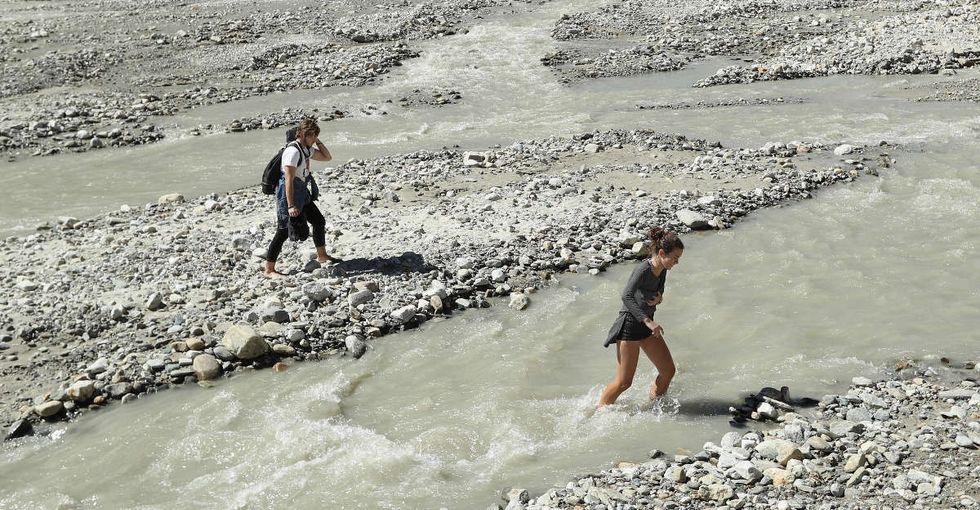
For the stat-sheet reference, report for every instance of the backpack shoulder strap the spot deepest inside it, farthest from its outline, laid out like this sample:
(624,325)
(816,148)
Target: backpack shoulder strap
(304,155)
(299,148)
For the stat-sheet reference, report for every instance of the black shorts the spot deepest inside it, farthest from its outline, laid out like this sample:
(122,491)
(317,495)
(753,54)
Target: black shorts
(627,328)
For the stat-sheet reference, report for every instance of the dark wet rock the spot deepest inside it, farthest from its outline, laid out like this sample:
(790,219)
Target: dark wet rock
(19,428)
(355,346)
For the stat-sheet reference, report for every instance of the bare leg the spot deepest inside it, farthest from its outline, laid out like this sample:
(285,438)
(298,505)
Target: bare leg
(627,354)
(656,349)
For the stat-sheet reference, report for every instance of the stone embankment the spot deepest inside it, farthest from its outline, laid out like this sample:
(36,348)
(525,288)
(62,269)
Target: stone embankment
(910,442)
(131,302)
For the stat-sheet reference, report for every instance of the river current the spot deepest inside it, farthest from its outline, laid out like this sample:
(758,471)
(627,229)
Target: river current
(808,295)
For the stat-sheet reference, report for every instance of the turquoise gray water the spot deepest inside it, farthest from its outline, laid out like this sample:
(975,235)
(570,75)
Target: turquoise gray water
(808,296)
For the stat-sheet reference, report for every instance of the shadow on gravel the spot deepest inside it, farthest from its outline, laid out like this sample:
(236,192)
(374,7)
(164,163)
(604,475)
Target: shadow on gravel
(408,262)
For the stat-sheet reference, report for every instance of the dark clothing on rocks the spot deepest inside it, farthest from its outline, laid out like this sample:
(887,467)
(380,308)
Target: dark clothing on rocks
(642,285)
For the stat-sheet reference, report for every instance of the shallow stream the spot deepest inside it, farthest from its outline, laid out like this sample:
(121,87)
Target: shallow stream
(809,296)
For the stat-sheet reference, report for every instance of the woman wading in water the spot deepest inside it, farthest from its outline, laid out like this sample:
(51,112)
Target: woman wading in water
(635,328)
(294,196)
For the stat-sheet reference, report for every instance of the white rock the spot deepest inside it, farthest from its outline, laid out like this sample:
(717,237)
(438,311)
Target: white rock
(746,470)
(171,198)
(370,285)
(100,365)
(498,275)
(437,288)
(767,410)
(964,441)
(404,314)
(155,301)
(27,285)
(861,382)
(519,301)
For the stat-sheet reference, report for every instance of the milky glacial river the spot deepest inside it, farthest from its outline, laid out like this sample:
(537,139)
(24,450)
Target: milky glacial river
(807,295)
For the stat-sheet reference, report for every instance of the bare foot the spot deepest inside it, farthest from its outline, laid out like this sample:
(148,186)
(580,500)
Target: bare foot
(273,274)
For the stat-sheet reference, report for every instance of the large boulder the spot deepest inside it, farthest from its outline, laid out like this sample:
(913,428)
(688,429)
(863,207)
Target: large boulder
(206,367)
(404,314)
(694,220)
(49,408)
(244,343)
(82,391)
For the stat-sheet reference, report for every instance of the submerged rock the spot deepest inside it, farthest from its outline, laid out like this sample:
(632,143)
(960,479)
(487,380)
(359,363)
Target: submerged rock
(519,301)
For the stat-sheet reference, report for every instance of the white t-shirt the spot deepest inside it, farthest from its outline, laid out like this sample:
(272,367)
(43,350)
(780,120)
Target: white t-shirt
(292,157)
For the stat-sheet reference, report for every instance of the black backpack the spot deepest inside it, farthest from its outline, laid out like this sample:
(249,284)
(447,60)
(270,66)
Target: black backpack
(273,170)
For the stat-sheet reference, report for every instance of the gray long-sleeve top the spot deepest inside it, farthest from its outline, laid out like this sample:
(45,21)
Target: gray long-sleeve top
(642,285)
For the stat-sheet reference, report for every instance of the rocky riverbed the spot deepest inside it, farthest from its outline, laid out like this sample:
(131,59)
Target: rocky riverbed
(960,90)
(76,76)
(122,305)
(721,103)
(908,442)
(778,39)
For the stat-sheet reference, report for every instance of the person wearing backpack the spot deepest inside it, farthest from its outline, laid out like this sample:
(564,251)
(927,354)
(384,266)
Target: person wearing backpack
(295,196)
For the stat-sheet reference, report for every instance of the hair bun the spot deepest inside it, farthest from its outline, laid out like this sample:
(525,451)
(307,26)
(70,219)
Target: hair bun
(663,239)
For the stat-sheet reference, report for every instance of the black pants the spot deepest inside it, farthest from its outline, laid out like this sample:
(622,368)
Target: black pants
(316,220)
